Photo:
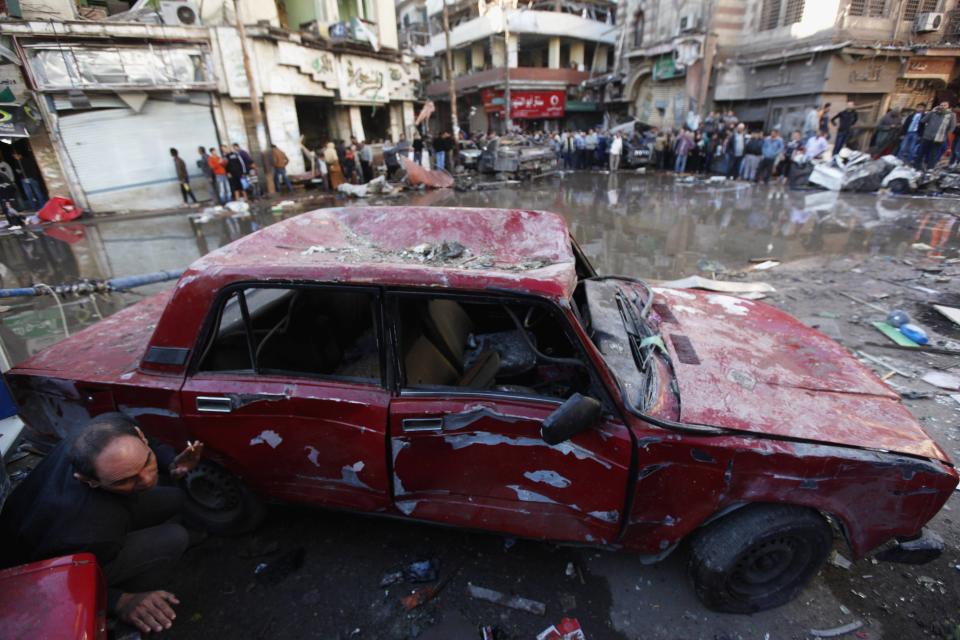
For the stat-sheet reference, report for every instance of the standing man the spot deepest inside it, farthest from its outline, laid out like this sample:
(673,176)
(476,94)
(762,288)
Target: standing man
(681,149)
(773,146)
(936,126)
(810,123)
(366,161)
(203,163)
(569,150)
(29,182)
(580,146)
(823,123)
(616,150)
(912,130)
(182,177)
(100,492)
(440,152)
(220,180)
(736,147)
(590,149)
(236,172)
(844,121)
(280,162)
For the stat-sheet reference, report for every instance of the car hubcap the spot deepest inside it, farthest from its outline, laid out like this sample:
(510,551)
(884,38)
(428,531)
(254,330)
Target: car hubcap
(769,566)
(213,488)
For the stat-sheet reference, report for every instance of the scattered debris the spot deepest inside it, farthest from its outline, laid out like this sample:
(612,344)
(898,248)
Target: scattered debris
(419,175)
(763,266)
(886,365)
(512,602)
(567,629)
(942,380)
(722,286)
(271,573)
(377,186)
(838,560)
(836,631)
(894,334)
(950,313)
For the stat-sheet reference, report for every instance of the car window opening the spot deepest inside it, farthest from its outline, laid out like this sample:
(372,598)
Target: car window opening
(300,331)
(515,348)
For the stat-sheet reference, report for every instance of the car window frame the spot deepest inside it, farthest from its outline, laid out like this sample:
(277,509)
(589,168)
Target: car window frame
(492,296)
(212,320)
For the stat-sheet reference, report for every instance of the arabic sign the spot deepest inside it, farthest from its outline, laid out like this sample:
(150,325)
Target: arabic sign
(665,68)
(526,105)
(17,122)
(930,68)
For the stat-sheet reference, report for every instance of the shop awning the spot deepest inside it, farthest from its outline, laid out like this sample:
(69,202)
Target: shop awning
(581,105)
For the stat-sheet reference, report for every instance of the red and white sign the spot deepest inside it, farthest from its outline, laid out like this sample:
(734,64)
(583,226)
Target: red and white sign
(527,105)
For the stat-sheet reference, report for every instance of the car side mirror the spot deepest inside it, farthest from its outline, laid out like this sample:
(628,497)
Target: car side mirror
(574,416)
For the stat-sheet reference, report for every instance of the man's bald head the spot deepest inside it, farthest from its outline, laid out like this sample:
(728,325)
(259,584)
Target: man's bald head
(112,454)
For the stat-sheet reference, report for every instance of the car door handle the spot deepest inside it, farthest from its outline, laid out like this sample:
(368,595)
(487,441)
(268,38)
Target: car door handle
(418,425)
(214,404)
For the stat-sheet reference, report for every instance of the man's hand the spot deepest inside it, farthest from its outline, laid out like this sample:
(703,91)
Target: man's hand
(187,461)
(151,611)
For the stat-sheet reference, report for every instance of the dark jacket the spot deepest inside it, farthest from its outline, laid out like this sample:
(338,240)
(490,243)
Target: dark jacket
(907,120)
(753,147)
(933,121)
(845,120)
(181,169)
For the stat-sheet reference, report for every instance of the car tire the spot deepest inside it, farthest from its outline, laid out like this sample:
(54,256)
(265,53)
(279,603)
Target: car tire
(758,557)
(217,502)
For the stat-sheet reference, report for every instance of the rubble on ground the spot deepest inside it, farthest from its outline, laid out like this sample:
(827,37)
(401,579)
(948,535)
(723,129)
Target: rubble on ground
(855,171)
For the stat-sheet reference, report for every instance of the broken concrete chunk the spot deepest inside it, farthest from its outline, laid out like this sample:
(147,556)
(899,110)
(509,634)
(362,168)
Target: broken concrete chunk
(512,602)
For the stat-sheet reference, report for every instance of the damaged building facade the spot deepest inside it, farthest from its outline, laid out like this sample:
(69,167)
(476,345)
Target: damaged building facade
(110,94)
(771,60)
(546,52)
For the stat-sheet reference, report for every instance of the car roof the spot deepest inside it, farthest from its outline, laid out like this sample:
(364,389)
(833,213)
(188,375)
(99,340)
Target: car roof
(449,247)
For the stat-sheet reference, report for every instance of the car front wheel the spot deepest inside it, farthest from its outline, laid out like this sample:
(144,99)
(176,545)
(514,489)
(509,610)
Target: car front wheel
(758,557)
(216,501)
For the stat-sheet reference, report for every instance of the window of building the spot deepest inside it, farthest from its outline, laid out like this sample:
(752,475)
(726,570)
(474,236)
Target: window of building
(779,13)
(312,332)
(913,7)
(794,12)
(638,25)
(869,8)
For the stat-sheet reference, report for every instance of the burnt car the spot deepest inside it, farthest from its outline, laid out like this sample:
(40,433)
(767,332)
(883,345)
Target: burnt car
(470,154)
(469,368)
(517,157)
(637,152)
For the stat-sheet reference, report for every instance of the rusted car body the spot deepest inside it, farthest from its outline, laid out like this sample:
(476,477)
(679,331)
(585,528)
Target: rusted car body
(516,157)
(408,361)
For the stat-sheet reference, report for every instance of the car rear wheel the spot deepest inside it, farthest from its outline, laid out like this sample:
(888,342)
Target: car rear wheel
(216,501)
(759,557)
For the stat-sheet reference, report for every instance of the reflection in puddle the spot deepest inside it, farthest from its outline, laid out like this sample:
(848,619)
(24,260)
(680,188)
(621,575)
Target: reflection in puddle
(651,226)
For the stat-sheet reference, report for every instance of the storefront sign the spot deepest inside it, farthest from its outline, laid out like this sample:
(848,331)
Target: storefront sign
(929,68)
(666,67)
(526,105)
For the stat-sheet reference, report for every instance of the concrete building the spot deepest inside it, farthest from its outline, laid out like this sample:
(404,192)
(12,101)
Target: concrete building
(879,54)
(103,97)
(544,50)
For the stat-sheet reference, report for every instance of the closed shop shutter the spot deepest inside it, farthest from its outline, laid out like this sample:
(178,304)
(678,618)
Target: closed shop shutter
(123,158)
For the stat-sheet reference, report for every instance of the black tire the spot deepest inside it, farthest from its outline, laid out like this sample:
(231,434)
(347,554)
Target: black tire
(217,502)
(758,557)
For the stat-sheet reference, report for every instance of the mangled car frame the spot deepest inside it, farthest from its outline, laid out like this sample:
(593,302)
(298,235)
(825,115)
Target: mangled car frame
(505,386)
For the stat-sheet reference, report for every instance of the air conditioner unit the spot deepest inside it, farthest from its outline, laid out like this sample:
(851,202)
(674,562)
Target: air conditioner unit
(688,22)
(926,22)
(180,12)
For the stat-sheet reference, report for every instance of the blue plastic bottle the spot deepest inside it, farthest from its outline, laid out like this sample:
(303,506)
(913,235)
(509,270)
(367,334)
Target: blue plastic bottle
(914,332)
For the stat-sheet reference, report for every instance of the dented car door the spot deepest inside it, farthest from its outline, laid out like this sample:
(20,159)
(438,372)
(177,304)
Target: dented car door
(297,436)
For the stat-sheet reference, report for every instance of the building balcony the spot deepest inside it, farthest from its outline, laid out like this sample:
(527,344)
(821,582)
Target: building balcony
(520,78)
(527,22)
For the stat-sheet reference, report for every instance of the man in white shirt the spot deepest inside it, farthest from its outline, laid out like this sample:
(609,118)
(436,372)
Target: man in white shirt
(815,147)
(616,149)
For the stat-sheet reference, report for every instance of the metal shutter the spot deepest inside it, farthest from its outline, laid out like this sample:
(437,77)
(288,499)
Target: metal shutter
(123,157)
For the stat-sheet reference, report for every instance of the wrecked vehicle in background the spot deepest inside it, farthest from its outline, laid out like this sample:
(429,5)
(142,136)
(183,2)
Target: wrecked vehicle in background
(470,155)
(517,157)
(516,391)
(851,170)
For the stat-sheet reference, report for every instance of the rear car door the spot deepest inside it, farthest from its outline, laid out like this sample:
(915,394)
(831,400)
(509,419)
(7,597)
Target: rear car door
(288,393)
(465,426)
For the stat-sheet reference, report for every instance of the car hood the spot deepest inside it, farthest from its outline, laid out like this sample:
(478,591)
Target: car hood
(747,366)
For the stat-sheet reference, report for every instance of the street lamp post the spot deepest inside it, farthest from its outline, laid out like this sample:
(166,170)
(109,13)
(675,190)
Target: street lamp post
(454,124)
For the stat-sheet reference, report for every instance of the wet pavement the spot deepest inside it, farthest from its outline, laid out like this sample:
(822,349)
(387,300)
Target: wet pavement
(654,227)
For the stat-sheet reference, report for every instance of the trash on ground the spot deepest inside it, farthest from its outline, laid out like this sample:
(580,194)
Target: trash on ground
(238,206)
(836,631)
(420,597)
(277,570)
(914,333)
(59,209)
(417,174)
(838,560)
(950,313)
(722,286)
(421,571)
(710,265)
(763,266)
(513,602)
(942,379)
(566,629)
(885,364)
(894,334)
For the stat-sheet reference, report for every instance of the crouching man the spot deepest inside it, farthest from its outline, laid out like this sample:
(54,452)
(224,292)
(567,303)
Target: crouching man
(99,492)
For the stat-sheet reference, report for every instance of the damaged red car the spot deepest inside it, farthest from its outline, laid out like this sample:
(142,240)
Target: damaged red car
(468,367)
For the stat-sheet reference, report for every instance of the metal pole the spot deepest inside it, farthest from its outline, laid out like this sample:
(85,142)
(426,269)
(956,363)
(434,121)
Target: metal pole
(454,124)
(508,106)
(265,159)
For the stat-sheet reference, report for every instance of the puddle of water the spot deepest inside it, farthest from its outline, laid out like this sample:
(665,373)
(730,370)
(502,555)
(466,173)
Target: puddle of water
(649,226)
